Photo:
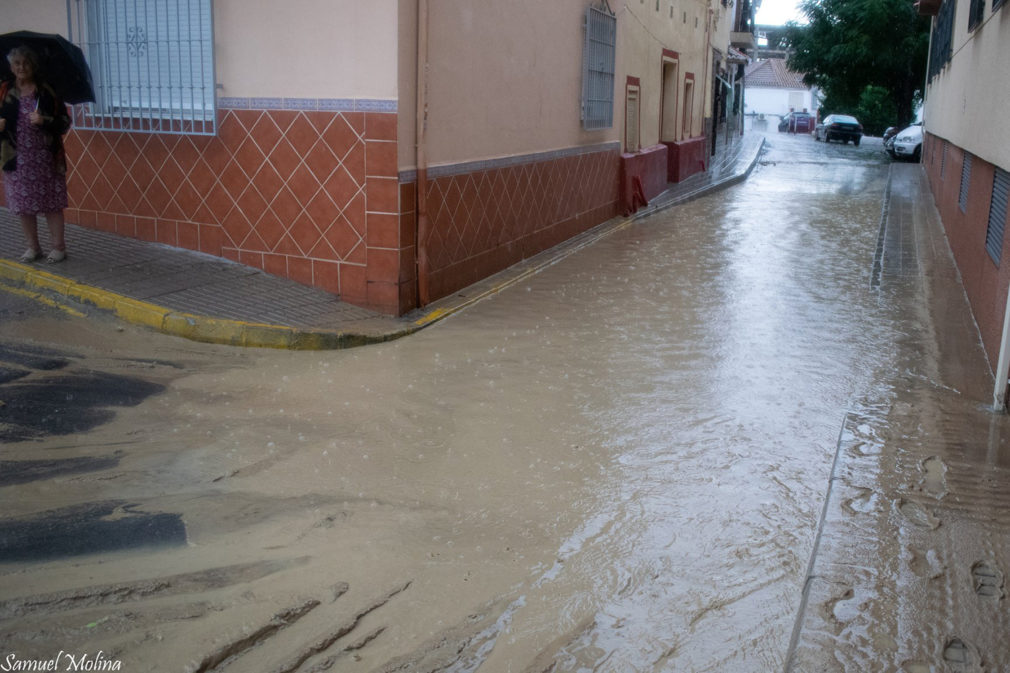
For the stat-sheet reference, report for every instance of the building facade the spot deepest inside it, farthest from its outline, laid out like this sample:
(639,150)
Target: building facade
(966,149)
(388,151)
(773,90)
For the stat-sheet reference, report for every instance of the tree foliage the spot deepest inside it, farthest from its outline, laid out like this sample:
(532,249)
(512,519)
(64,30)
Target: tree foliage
(850,45)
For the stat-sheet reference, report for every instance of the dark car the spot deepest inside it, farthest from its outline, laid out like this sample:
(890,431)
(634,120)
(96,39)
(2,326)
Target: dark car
(839,127)
(797,122)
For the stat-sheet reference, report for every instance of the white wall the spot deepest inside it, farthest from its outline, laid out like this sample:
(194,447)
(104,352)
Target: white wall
(775,101)
(967,103)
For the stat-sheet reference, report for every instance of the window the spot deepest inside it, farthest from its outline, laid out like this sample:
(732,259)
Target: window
(598,67)
(962,198)
(942,40)
(997,215)
(632,116)
(975,14)
(152,64)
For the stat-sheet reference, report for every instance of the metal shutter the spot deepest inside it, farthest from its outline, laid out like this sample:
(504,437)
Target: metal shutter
(997,215)
(962,198)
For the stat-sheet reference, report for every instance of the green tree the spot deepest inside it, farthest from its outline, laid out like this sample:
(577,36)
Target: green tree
(876,109)
(849,45)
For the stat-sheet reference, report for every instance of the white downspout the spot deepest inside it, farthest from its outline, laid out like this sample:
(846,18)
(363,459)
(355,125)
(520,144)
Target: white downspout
(1003,364)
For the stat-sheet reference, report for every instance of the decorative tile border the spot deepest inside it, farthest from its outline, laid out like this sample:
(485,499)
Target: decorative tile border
(328,104)
(450,170)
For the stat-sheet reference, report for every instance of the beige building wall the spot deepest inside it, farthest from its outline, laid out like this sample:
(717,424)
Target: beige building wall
(645,29)
(965,103)
(278,48)
(42,16)
(505,79)
(306,48)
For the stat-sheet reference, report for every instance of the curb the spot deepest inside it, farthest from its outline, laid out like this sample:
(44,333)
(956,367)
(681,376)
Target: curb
(42,286)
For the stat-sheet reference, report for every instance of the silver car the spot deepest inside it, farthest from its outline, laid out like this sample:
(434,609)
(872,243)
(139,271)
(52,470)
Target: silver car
(907,144)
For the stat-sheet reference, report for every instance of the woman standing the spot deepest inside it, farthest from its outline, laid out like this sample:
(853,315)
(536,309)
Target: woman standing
(32,123)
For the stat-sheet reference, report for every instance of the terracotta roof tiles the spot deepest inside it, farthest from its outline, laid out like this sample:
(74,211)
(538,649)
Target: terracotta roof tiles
(773,74)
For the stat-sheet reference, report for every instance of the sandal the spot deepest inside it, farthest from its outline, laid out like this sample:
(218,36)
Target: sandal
(30,256)
(55,256)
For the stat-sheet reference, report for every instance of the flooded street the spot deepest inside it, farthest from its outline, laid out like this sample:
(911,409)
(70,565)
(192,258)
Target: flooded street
(618,464)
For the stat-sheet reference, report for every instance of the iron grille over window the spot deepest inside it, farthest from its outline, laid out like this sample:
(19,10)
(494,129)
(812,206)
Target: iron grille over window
(997,215)
(598,68)
(962,198)
(976,13)
(943,35)
(152,62)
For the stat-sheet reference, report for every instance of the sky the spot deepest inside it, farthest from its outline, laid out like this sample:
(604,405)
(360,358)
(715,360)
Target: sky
(778,12)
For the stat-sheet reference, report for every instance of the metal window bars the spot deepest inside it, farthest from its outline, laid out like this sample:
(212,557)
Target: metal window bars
(152,65)
(941,46)
(598,56)
(976,12)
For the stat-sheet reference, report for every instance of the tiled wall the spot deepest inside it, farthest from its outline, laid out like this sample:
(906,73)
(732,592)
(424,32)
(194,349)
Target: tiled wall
(309,194)
(486,216)
(314,195)
(985,282)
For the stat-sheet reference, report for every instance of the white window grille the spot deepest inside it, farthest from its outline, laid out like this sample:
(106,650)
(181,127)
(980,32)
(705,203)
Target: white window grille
(598,55)
(152,64)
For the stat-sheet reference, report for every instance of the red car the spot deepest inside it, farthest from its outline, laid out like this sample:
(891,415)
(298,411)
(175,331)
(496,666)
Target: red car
(797,122)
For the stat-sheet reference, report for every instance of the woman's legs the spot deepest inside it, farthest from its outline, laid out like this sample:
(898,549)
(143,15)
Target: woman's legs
(30,226)
(57,230)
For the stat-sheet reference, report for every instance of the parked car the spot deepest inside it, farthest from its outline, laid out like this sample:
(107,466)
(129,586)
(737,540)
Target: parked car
(839,127)
(907,144)
(797,122)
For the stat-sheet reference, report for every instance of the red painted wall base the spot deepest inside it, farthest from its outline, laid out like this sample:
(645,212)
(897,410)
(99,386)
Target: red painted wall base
(643,176)
(685,158)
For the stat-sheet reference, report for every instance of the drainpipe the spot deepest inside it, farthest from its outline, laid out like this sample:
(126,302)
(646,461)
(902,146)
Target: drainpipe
(708,62)
(421,243)
(1003,364)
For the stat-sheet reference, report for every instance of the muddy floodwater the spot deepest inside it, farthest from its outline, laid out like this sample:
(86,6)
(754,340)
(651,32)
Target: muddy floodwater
(618,464)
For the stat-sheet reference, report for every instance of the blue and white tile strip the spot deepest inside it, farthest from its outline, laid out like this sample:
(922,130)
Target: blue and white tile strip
(327,104)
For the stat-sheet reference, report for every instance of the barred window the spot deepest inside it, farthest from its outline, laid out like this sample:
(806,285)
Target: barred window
(152,62)
(976,13)
(598,55)
(942,41)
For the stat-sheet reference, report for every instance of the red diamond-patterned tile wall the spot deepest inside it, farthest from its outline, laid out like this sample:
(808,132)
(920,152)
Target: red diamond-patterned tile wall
(484,221)
(291,192)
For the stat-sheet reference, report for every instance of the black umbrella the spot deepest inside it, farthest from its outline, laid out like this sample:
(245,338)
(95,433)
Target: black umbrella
(62,62)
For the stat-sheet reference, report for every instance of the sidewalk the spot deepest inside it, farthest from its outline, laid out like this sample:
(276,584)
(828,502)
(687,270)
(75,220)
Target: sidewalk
(908,572)
(205,298)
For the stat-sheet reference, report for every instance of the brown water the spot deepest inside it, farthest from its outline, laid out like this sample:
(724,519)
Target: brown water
(617,465)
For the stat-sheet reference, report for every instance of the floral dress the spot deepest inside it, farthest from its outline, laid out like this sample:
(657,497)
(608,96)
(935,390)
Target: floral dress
(34,186)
